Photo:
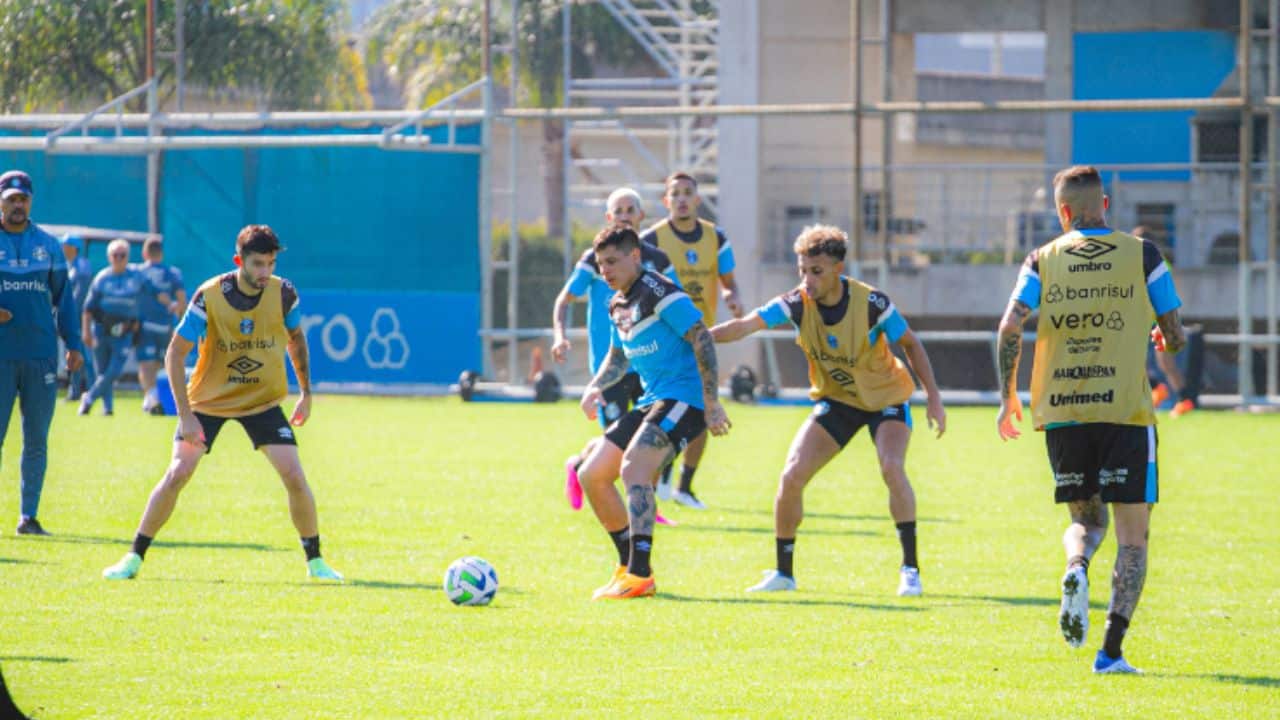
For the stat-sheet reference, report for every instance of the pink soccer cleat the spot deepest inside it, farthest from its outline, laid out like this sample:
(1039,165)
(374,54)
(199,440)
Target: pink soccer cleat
(572,488)
(661,520)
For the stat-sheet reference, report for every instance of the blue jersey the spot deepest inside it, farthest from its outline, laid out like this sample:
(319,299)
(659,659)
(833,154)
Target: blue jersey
(649,324)
(586,281)
(162,278)
(80,273)
(115,299)
(34,287)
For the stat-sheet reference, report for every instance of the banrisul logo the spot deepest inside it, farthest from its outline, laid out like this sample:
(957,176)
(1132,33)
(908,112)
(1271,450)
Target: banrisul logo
(1090,249)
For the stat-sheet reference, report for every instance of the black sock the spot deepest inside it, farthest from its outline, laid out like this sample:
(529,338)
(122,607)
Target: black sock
(641,546)
(686,478)
(1117,625)
(786,549)
(140,544)
(311,546)
(907,536)
(622,541)
(1078,561)
(666,474)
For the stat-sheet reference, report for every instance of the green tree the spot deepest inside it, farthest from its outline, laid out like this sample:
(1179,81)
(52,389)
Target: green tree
(432,48)
(278,54)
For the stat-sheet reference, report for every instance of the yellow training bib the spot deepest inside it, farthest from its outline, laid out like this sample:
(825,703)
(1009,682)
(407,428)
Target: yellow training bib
(697,265)
(240,370)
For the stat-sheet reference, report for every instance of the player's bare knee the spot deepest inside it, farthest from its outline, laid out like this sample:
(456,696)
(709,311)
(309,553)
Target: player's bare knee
(893,471)
(793,481)
(294,478)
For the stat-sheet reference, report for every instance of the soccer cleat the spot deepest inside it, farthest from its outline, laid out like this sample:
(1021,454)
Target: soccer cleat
(126,569)
(689,500)
(1182,408)
(909,582)
(626,587)
(1073,617)
(572,488)
(664,520)
(30,526)
(1159,394)
(85,405)
(318,569)
(774,581)
(1104,664)
(617,573)
(665,491)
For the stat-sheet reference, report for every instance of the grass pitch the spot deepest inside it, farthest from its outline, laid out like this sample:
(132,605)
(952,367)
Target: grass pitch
(222,623)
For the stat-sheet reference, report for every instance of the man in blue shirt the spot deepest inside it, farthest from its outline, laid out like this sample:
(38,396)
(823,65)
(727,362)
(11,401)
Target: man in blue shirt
(658,331)
(110,323)
(36,307)
(80,275)
(157,317)
(622,208)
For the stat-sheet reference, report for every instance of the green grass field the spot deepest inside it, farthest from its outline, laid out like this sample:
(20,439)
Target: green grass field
(223,624)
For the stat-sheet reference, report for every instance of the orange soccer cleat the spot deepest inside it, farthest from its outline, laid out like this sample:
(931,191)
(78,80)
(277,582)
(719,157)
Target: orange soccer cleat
(1159,394)
(1182,408)
(626,587)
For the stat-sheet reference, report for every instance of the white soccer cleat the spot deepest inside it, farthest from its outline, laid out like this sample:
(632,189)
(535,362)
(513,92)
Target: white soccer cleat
(665,491)
(688,500)
(1106,665)
(1073,617)
(909,582)
(773,581)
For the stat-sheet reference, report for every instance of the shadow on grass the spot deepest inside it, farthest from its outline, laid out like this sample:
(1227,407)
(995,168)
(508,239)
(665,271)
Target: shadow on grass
(1265,681)
(33,658)
(764,530)
(19,561)
(804,602)
(1016,601)
(433,587)
(198,544)
(828,516)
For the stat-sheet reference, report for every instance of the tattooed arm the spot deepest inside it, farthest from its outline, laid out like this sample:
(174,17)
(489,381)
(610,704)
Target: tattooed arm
(1009,349)
(301,359)
(614,368)
(704,351)
(1169,335)
(560,344)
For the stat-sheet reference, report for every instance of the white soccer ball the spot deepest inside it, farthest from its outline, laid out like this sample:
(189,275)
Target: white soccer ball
(470,581)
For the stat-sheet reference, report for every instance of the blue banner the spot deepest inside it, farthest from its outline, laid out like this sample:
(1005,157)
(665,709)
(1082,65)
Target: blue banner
(390,338)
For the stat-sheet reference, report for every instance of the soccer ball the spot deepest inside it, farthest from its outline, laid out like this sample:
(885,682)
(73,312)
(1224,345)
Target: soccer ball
(470,581)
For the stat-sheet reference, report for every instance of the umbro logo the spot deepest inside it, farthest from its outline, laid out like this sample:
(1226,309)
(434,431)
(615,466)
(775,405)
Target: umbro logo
(245,365)
(1090,249)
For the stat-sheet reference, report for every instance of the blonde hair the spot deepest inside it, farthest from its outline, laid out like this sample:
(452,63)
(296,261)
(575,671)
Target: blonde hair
(817,240)
(621,193)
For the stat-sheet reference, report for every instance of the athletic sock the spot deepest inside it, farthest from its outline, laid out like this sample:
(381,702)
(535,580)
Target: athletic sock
(1078,561)
(311,546)
(786,549)
(140,544)
(622,541)
(686,478)
(907,536)
(666,474)
(641,546)
(1117,625)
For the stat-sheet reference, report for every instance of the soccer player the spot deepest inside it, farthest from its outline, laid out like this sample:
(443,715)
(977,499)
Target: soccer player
(703,261)
(80,275)
(244,322)
(110,322)
(36,307)
(1097,291)
(622,208)
(845,328)
(158,307)
(658,331)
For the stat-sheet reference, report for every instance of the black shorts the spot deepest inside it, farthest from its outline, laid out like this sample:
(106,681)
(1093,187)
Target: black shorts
(681,422)
(269,427)
(843,421)
(618,398)
(1117,462)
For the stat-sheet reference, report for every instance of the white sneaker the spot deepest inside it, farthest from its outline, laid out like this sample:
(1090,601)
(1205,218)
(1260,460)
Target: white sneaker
(1073,617)
(773,581)
(909,582)
(665,491)
(1105,665)
(688,500)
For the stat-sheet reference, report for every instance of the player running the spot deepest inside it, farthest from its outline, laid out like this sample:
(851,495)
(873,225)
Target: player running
(845,328)
(703,261)
(244,321)
(658,331)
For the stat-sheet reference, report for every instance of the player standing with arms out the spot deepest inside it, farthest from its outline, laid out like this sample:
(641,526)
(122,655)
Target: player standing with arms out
(244,322)
(36,308)
(845,328)
(1097,291)
(659,332)
(704,264)
(158,306)
(624,208)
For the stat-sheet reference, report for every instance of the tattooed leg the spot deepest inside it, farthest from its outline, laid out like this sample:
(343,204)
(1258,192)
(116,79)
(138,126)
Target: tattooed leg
(647,454)
(1132,523)
(1087,529)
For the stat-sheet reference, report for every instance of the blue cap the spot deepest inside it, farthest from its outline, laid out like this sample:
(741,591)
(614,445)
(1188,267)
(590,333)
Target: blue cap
(15,181)
(74,241)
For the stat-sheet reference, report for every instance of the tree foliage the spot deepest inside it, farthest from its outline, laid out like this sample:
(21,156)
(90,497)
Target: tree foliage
(270,54)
